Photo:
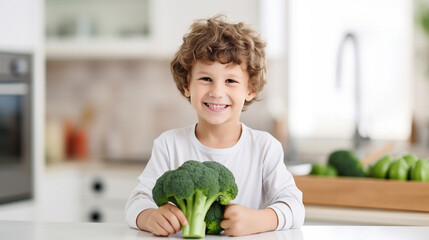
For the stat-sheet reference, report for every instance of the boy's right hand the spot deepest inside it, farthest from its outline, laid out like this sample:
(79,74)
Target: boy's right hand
(163,221)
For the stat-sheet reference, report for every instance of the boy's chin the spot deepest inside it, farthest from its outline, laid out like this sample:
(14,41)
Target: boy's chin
(214,122)
(218,122)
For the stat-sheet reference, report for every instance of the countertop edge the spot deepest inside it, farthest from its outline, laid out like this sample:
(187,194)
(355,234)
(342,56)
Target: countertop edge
(365,216)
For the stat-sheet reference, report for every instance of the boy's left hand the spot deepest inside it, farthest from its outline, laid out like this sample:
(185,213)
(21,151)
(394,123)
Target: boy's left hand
(240,220)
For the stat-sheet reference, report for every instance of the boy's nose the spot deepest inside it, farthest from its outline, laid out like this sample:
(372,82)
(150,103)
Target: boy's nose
(216,90)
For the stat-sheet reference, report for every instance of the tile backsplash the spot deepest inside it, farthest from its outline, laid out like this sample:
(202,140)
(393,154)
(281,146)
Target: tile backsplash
(125,104)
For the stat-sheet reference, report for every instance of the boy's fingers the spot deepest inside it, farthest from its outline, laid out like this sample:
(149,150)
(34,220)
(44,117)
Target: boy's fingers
(224,224)
(179,214)
(163,223)
(228,208)
(159,230)
(173,220)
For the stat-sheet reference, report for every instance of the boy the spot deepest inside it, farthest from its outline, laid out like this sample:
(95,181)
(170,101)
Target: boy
(220,68)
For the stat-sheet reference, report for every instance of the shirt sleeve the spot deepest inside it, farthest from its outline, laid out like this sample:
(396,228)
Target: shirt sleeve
(141,197)
(281,193)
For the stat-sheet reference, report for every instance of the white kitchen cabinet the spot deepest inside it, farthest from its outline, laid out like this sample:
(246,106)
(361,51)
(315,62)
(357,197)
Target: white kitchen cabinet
(151,29)
(59,198)
(18,211)
(98,29)
(61,195)
(88,192)
(106,190)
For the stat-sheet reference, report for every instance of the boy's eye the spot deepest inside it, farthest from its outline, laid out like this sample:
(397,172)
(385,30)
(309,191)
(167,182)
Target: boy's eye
(205,79)
(230,81)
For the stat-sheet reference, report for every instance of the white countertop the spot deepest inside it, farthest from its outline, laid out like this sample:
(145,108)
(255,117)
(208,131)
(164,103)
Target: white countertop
(364,216)
(16,230)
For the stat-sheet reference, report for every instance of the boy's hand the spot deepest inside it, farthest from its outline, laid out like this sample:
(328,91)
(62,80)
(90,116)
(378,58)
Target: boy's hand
(240,220)
(163,221)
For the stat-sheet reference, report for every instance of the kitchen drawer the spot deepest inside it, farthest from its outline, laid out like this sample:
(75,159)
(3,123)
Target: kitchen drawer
(104,211)
(108,187)
(105,197)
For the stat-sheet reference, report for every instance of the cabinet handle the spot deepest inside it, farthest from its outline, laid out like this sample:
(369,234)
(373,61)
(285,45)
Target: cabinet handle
(98,186)
(95,216)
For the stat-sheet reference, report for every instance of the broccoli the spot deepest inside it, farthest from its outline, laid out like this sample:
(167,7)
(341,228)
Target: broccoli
(346,163)
(214,217)
(194,187)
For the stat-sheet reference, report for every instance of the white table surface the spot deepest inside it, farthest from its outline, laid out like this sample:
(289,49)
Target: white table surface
(17,230)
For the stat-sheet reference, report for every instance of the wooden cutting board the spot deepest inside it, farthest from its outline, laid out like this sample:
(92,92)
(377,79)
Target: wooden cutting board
(364,192)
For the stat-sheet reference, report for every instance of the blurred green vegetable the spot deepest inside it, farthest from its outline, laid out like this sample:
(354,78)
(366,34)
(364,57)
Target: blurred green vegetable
(420,171)
(381,167)
(422,17)
(331,171)
(319,169)
(411,159)
(399,170)
(346,163)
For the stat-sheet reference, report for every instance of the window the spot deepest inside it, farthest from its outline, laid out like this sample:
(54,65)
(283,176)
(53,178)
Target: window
(318,106)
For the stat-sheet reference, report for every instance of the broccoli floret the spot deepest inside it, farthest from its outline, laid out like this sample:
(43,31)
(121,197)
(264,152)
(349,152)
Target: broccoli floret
(214,217)
(346,163)
(194,187)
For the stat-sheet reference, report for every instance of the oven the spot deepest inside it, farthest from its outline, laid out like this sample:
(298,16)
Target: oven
(16,175)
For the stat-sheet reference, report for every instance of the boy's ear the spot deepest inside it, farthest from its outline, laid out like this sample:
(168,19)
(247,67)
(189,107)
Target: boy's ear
(186,91)
(250,95)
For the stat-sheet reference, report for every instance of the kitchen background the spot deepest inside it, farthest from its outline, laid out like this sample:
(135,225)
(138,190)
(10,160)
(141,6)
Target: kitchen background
(334,67)
(123,101)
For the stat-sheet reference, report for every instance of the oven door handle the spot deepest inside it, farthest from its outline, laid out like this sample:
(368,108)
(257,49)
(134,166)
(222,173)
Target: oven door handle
(13,89)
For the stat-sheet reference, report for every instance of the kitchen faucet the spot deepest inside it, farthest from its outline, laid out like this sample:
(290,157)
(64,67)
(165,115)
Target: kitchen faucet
(358,139)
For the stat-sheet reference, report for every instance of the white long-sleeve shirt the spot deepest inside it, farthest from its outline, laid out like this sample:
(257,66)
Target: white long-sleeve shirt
(256,161)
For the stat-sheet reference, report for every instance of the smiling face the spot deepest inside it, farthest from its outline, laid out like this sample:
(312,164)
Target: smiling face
(218,91)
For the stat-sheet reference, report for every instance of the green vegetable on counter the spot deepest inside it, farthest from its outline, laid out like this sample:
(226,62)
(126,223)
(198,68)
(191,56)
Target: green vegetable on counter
(411,159)
(194,187)
(420,171)
(399,170)
(381,167)
(319,169)
(346,163)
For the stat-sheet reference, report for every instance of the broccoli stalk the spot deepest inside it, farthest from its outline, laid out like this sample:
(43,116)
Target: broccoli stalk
(194,187)
(195,212)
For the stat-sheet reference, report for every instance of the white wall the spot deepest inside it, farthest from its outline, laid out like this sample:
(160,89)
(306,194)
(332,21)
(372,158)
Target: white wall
(18,24)
(421,80)
(177,16)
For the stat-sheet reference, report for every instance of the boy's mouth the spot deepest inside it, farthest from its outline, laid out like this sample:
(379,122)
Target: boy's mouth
(216,107)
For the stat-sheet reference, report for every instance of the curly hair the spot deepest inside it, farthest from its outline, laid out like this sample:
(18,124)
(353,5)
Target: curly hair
(213,40)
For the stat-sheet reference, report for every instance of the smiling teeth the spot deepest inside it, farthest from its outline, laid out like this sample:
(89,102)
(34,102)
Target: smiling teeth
(215,106)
